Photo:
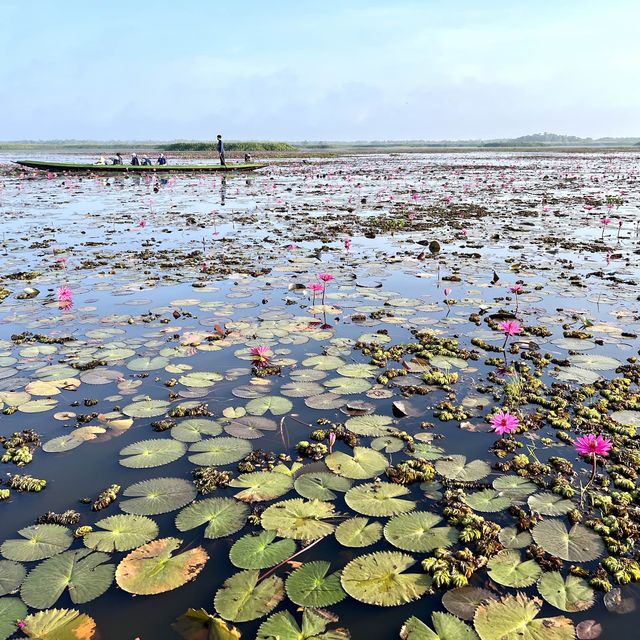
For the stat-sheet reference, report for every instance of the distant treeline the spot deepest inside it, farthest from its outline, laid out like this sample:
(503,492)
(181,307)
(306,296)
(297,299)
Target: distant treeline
(230,146)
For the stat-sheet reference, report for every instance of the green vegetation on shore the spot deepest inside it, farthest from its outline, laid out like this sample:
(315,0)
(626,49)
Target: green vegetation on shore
(230,146)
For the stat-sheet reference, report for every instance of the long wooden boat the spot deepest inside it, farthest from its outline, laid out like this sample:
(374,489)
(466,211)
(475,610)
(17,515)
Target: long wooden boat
(127,168)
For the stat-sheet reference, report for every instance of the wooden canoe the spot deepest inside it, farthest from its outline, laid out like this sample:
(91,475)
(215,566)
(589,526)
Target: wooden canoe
(127,168)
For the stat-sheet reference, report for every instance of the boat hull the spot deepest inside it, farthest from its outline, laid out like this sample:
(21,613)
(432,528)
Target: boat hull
(127,168)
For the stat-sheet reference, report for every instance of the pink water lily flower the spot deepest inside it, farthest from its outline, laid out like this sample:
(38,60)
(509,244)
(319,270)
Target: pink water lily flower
(591,444)
(65,294)
(260,355)
(446,292)
(142,222)
(605,221)
(517,288)
(510,327)
(504,422)
(315,287)
(325,277)
(347,244)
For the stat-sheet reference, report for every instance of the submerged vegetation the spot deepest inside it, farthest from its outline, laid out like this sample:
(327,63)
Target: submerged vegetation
(350,387)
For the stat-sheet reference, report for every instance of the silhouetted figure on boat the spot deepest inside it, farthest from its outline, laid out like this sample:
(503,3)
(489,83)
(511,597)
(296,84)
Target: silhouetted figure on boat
(135,160)
(221,151)
(161,159)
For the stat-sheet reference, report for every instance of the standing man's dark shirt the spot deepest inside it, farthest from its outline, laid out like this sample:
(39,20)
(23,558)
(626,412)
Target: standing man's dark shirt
(221,151)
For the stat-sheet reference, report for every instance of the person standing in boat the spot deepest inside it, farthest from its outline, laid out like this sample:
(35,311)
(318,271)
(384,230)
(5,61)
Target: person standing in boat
(161,159)
(134,159)
(221,150)
(117,159)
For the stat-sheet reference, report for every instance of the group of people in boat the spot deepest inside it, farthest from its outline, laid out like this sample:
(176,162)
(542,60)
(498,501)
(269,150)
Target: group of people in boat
(135,161)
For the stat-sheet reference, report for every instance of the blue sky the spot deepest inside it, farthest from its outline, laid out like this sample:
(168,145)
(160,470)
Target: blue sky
(330,70)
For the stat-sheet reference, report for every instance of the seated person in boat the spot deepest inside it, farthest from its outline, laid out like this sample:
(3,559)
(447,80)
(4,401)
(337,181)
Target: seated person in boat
(161,159)
(247,158)
(146,161)
(101,160)
(118,159)
(134,160)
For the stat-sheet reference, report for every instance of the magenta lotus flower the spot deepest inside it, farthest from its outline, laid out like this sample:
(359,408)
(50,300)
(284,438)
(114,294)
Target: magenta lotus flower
(332,440)
(260,355)
(510,327)
(447,292)
(142,222)
(465,232)
(517,288)
(592,445)
(503,422)
(325,277)
(65,294)
(292,246)
(315,287)
(347,244)
(605,221)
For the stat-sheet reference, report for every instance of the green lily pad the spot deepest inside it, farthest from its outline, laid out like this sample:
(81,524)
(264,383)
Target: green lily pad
(464,601)
(223,516)
(86,574)
(363,464)
(152,453)
(511,538)
(447,627)
(38,542)
(261,551)
(379,499)
(197,624)
(457,468)
(387,444)
(577,544)
(549,504)
(275,405)
(358,532)
(508,569)
(371,425)
(571,594)
(146,363)
(299,519)
(347,386)
(250,427)
(358,370)
(121,533)
(380,579)
(261,485)
(426,451)
(193,429)
(146,408)
(59,624)
(514,486)
(301,389)
(242,598)
(418,532)
(628,418)
(215,452)
(200,379)
(156,496)
(323,363)
(321,485)
(312,585)
(283,626)
(11,610)
(488,501)
(11,576)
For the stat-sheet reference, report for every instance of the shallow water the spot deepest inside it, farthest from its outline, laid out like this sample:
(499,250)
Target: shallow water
(155,265)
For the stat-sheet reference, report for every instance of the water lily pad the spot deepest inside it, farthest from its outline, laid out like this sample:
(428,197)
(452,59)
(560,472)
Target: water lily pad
(358,370)
(156,496)
(283,626)
(358,532)
(380,579)
(147,364)
(299,519)
(197,624)
(577,544)
(457,468)
(514,617)
(242,598)
(323,363)
(121,533)
(508,569)
(567,594)
(250,427)
(301,389)
(379,499)
(426,451)
(154,568)
(464,601)
(200,379)
(261,551)
(418,532)
(321,485)
(261,485)
(11,576)
(312,585)
(347,386)
(215,452)
(276,405)
(511,538)
(146,409)
(515,486)
(193,429)
(38,406)
(628,418)
(363,464)
(387,444)
(576,374)
(325,401)
(59,624)
(549,504)
(223,516)
(594,362)
(11,610)
(372,425)
(86,574)
(488,501)
(447,627)
(151,453)
(37,542)
(448,362)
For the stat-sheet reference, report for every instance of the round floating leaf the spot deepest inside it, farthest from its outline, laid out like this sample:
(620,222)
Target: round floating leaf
(418,532)
(299,519)
(594,362)
(197,624)
(456,468)
(11,576)
(511,538)
(313,586)
(508,569)
(223,516)
(276,405)
(577,544)
(121,533)
(38,542)
(347,386)
(447,627)
(301,389)
(488,501)
(260,551)
(250,427)
(628,418)
(358,532)
(379,499)
(379,578)
(11,610)
(514,618)
(147,364)
(38,406)
(321,485)
(146,409)
(156,496)
(549,504)
(576,374)
(200,379)
(152,453)
(571,594)
(358,370)
(514,486)
(464,601)
(261,485)
(59,624)
(283,626)
(372,425)
(387,444)
(242,598)
(325,401)
(84,573)
(193,429)
(426,451)
(153,568)
(363,464)
(323,363)
(216,452)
